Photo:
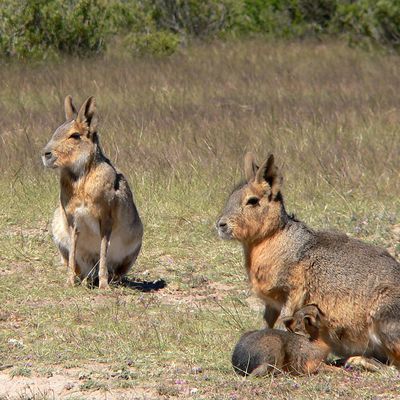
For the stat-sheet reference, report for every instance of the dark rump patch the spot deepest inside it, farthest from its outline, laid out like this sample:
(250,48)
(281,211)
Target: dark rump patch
(117,181)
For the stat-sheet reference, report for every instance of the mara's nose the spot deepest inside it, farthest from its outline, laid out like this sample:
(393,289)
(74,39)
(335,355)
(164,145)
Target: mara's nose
(46,153)
(222,224)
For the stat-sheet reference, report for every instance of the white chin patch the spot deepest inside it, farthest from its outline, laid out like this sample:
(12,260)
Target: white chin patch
(48,163)
(225,235)
(79,165)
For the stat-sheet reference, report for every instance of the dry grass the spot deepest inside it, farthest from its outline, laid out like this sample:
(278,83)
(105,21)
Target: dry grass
(178,129)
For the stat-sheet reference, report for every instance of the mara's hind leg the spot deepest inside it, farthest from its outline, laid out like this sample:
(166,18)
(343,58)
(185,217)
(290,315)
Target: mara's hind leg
(266,369)
(272,364)
(65,238)
(64,255)
(368,364)
(385,330)
(125,265)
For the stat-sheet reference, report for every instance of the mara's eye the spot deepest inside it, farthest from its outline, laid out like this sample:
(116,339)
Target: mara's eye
(75,135)
(252,201)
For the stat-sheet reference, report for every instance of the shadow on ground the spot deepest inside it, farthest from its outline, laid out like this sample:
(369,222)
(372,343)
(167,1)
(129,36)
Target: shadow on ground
(136,284)
(143,286)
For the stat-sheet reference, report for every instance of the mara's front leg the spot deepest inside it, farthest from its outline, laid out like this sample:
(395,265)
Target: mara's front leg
(105,231)
(280,302)
(272,311)
(294,299)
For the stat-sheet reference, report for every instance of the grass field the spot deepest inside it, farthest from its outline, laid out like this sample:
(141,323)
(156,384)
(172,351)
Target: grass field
(178,128)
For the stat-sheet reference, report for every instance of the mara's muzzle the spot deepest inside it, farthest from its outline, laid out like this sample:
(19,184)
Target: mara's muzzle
(224,231)
(48,158)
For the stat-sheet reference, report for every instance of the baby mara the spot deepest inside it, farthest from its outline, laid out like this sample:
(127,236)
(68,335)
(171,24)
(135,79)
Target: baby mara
(300,350)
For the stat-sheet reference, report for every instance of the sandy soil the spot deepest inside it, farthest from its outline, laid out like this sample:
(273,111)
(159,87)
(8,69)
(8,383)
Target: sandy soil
(63,386)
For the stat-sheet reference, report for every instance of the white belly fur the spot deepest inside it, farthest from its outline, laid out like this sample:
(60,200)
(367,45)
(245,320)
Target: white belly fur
(86,224)
(88,243)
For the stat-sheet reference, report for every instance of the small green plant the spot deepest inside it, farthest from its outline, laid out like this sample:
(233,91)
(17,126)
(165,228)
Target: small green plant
(92,384)
(124,374)
(21,371)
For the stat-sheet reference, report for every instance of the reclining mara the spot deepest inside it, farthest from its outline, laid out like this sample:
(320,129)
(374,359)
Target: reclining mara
(356,285)
(299,351)
(96,225)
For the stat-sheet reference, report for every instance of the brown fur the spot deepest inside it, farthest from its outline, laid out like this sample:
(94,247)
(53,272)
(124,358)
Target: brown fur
(96,225)
(355,284)
(299,351)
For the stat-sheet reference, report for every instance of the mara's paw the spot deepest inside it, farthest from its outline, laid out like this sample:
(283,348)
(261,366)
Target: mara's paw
(103,284)
(365,363)
(71,281)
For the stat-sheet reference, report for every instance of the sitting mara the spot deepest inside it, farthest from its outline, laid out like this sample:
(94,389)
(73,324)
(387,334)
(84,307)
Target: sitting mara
(96,226)
(356,285)
(299,351)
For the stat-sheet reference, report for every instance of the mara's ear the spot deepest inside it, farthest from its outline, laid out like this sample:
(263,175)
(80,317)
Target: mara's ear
(87,115)
(70,110)
(288,322)
(311,320)
(269,173)
(250,166)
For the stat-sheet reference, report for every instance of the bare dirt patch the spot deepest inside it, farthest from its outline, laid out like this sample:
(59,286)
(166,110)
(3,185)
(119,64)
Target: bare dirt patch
(207,292)
(65,385)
